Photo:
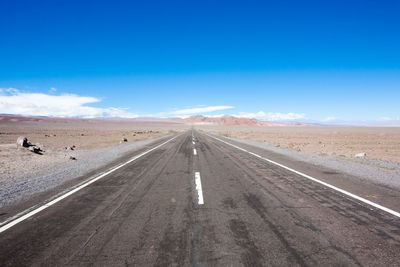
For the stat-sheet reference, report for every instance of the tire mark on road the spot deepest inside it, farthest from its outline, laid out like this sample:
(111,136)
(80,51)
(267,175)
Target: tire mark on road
(133,205)
(344,206)
(257,206)
(251,256)
(294,215)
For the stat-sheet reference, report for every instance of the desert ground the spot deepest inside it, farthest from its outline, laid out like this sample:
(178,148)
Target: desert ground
(83,134)
(377,142)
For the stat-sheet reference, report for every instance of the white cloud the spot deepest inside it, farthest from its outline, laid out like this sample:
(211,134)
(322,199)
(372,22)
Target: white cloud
(257,115)
(284,116)
(271,116)
(67,105)
(52,90)
(13,101)
(199,110)
(329,119)
(216,115)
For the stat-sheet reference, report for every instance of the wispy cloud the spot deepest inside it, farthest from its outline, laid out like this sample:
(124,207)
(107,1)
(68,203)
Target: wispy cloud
(256,115)
(284,116)
(12,101)
(272,116)
(329,119)
(190,111)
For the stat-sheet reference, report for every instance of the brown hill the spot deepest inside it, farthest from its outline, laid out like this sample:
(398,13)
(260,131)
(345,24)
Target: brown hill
(226,120)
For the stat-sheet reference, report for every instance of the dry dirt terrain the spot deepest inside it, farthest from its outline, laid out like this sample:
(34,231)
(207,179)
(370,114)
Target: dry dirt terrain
(377,142)
(83,134)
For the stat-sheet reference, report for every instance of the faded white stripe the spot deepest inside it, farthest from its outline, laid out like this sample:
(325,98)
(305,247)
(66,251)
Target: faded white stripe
(199,189)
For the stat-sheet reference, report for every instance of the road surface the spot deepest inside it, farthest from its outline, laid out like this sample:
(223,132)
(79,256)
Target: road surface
(196,201)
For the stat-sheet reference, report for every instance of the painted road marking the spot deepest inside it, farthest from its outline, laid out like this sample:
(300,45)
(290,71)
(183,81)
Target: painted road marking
(10,222)
(199,189)
(194,151)
(366,201)
(193,143)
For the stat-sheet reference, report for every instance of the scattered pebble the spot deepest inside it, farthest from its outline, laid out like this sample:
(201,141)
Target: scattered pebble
(361,155)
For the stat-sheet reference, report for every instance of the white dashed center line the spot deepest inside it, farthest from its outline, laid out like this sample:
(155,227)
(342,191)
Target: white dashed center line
(194,151)
(199,189)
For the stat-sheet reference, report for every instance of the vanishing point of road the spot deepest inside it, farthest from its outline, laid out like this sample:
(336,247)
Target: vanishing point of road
(196,200)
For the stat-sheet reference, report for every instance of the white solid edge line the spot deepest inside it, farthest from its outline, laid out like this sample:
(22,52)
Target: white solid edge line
(194,151)
(13,220)
(366,201)
(199,189)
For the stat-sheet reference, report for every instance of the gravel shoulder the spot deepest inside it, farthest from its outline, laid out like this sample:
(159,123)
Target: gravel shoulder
(23,173)
(375,171)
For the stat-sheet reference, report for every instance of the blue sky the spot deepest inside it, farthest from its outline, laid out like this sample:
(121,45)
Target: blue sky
(274,60)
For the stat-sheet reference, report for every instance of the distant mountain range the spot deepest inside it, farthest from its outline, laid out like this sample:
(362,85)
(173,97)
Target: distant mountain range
(204,120)
(198,119)
(226,120)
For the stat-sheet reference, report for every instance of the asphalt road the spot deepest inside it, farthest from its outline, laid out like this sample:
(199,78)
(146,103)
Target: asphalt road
(147,213)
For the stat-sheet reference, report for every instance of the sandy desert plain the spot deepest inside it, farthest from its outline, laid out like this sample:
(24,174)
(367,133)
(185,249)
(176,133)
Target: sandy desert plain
(382,143)
(97,142)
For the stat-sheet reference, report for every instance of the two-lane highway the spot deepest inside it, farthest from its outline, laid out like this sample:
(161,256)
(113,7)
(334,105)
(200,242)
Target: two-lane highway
(196,200)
